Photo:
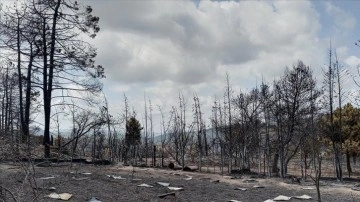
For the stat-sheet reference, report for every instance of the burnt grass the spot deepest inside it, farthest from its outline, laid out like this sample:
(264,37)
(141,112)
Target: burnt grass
(85,181)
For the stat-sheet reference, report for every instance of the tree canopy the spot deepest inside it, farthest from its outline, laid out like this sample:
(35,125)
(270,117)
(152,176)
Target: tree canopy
(350,127)
(133,132)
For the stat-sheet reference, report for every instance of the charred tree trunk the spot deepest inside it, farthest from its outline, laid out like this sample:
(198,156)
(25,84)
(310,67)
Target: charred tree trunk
(317,179)
(338,168)
(348,164)
(275,169)
(154,156)
(20,86)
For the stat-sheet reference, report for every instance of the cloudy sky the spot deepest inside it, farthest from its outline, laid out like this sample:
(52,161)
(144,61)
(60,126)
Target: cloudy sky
(163,47)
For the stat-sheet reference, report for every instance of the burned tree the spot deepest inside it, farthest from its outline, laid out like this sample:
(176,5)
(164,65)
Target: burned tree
(180,133)
(200,131)
(292,93)
(246,132)
(20,35)
(329,86)
(66,58)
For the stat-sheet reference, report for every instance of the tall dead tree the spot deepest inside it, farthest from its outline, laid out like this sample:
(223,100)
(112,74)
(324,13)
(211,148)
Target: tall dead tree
(184,134)
(180,133)
(335,138)
(199,130)
(152,134)
(341,75)
(266,107)
(20,34)
(111,137)
(146,133)
(126,118)
(9,123)
(218,141)
(229,126)
(316,149)
(165,128)
(246,127)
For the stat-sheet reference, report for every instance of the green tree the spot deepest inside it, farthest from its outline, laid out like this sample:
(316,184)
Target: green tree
(132,136)
(348,118)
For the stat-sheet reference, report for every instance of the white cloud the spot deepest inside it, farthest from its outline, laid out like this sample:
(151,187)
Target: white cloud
(162,48)
(352,65)
(149,41)
(352,61)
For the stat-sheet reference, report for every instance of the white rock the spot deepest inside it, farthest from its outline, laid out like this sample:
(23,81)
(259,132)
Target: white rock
(308,188)
(282,198)
(176,188)
(145,185)
(306,197)
(118,177)
(165,184)
(63,196)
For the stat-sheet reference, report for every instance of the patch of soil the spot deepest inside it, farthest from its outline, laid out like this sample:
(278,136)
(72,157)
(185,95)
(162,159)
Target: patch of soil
(85,181)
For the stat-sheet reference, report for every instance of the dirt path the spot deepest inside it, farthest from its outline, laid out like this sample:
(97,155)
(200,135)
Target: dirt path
(87,181)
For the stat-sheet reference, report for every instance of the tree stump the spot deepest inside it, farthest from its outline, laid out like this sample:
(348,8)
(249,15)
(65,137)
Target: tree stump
(171,165)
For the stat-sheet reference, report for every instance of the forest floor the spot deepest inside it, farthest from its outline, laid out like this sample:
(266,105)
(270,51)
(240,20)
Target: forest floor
(85,182)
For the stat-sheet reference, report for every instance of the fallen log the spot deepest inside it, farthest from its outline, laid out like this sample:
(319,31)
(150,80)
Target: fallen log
(190,168)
